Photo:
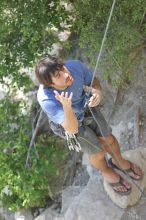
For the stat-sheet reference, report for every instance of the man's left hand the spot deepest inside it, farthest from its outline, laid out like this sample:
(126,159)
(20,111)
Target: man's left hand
(95,98)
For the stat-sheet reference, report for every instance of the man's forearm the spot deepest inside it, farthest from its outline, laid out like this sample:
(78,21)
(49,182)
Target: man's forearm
(70,123)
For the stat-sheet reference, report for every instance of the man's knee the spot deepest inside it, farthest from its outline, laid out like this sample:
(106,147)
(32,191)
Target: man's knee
(108,140)
(97,156)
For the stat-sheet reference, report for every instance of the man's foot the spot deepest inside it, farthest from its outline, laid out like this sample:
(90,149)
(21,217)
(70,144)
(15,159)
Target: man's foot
(117,183)
(130,168)
(120,187)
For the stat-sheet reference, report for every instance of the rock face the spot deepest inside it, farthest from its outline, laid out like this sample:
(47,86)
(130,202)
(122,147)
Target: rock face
(91,202)
(95,200)
(5,214)
(137,156)
(23,215)
(47,214)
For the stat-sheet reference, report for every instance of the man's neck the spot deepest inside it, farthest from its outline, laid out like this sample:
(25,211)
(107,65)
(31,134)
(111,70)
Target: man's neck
(59,88)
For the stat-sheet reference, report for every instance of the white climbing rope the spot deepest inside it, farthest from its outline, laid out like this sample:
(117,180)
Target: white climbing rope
(103,41)
(96,66)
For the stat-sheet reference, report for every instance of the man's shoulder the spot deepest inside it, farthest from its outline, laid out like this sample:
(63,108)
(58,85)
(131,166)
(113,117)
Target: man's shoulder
(76,67)
(44,93)
(73,63)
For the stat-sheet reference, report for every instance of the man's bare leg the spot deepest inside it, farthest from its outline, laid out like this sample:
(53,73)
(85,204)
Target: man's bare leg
(98,161)
(114,151)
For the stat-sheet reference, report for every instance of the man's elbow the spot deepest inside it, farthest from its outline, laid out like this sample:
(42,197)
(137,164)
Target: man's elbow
(72,129)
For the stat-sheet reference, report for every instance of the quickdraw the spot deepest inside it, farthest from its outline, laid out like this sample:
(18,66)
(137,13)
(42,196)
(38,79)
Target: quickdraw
(72,142)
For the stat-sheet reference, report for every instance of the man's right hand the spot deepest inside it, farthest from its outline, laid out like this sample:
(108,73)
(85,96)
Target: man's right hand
(64,98)
(70,123)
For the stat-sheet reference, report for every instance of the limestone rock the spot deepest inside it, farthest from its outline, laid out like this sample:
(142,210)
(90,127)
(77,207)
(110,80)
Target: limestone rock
(92,204)
(49,214)
(137,212)
(5,214)
(24,214)
(69,195)
(91,201)
(137,156)
(45,215)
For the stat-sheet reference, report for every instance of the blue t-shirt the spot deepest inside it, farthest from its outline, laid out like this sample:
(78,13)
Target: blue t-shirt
(52,107)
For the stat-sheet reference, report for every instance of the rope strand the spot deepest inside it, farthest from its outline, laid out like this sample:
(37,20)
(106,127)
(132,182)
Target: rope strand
(96,66)
(103,41)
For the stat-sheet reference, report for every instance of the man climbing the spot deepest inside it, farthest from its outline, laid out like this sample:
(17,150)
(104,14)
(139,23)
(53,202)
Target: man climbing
(62,97)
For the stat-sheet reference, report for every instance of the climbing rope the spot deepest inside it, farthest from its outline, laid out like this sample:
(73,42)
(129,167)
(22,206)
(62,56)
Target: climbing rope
(89,94)
(103,41)
(71,139)
(72,142)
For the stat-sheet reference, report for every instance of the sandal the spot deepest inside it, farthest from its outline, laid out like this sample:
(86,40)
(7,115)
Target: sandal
(120,183)
(127,171)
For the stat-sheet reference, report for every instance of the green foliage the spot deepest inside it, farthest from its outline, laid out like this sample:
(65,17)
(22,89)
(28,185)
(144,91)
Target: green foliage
(125,35)
(27,187)
(26,33)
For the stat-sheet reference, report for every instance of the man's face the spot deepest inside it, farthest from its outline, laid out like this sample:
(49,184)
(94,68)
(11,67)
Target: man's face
(62,79)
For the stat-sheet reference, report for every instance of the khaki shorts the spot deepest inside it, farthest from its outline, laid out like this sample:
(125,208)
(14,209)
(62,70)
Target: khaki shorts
(89,131)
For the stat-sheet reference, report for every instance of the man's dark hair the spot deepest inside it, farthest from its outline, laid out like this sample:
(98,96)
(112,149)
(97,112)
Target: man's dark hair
(46,68)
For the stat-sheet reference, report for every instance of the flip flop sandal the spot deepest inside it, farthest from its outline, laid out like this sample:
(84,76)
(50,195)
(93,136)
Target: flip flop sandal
(112,165)
(120,183)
